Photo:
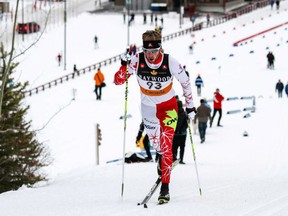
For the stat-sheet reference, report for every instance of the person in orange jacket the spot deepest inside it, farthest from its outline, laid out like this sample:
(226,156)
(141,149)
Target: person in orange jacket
(99,83)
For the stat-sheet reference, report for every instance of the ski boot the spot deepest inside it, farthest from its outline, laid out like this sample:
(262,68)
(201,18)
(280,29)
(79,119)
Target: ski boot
(164,196)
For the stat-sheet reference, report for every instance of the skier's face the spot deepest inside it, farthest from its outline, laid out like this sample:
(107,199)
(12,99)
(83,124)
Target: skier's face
(151,54)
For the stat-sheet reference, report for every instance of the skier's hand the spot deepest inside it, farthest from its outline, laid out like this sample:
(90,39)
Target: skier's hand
(120,75)
(191,112)
(125,57)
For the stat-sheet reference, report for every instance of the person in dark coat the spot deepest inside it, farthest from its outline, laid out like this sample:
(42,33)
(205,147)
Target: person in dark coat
(156,20)
(131,19)
(145,143)
(144,18)
(271,2)
(199,83)
(217,106)
(286,89)
(202,115)
(96,42)
(271,59)
(162,22)
(279,88)
(75,68)
(180,133)
(277,4)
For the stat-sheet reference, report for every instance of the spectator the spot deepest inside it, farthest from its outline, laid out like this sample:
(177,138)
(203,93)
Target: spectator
(162,22)
(144,18)
(271,3)
(145,143)
(131,19)
(156,21)
(271,59)
(202,115)
(199,83)
(286,89)
(124,15)
(208,19)
(279,88)
(96,42)
(99,80)
(217,106)
(191,49)
(206,103)
(180,133)
(277,4)
(59,58)
(75,68)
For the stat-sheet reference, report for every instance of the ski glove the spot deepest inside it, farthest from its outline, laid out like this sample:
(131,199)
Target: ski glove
(191,112)
(120,75)
(125,57)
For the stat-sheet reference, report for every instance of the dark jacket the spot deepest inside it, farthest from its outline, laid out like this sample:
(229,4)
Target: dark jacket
(270,57)
(182,125)
(279,86)
(203,113)
(286,89)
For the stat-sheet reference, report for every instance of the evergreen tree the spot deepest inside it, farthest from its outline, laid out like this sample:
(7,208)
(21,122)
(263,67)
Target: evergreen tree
(21,155)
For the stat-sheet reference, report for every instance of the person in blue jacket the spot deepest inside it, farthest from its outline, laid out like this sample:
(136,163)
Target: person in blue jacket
(279,88)
(199,83)
(286,89)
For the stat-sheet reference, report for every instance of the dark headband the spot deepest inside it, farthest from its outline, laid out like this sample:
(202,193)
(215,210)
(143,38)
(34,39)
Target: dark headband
(152,44)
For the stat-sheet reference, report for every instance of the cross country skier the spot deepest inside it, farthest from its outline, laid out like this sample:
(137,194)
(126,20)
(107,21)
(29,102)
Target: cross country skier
(154,71)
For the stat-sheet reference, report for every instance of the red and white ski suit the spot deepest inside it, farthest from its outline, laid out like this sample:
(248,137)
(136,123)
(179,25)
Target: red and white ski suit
(158,103)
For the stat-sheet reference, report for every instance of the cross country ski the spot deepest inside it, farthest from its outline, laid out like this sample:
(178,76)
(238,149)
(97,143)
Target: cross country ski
(154,188)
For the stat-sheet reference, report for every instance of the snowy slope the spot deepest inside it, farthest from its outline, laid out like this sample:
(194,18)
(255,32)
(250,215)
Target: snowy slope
(238,175)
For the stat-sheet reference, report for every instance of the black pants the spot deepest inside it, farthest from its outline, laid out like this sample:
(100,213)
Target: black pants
(98,92)
(220,115)
(147,146)
(178,142)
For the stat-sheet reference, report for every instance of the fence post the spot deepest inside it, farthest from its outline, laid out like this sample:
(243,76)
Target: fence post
(98,139)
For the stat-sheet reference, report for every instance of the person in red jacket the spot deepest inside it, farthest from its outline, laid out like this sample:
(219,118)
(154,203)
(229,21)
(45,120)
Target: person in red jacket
(217,104)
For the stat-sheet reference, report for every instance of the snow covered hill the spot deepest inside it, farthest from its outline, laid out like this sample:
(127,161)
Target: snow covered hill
(238,175)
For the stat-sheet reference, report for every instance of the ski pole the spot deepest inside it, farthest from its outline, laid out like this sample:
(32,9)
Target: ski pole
(124,137)
(194,157)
